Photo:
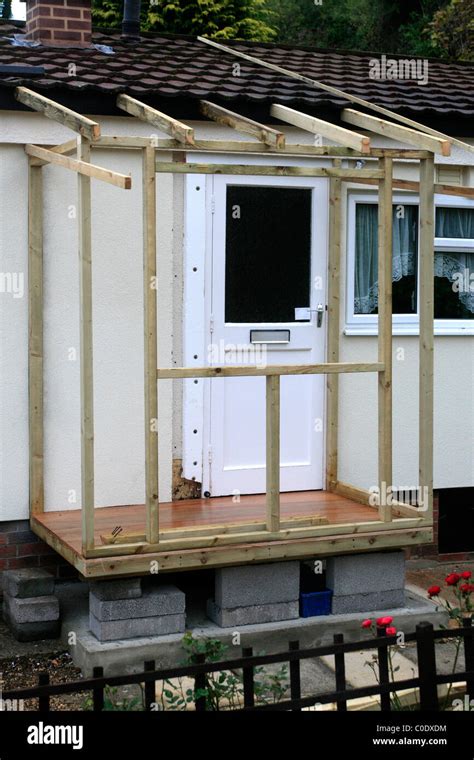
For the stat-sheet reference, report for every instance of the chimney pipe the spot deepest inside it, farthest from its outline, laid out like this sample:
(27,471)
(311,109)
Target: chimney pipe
(131,20)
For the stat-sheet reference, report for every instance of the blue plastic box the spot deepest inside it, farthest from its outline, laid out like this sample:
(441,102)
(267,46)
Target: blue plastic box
(315,603)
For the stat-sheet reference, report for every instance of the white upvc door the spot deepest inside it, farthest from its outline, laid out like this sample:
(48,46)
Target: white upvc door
(268,258)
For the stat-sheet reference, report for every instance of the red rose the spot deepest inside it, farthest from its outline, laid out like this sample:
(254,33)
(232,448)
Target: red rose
(466,575)
(391,630)
(366,624)
(434,590)
(471,587)
(382,622)
(453,579)
(465,588)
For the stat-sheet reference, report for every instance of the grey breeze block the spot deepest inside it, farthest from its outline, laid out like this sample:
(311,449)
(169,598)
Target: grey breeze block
(28,582)
(163,600)
(137,628)
(36,609)
(365,573)
(372,602)
(110,591)
(252,614)
(49,629)
(252,585)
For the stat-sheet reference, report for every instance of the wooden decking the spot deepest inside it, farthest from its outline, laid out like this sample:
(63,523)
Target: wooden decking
(355,527)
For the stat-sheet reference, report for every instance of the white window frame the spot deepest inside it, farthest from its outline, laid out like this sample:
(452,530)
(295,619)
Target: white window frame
(403,324)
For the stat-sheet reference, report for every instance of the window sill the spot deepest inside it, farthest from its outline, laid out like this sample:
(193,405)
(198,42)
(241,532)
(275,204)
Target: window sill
(439,331)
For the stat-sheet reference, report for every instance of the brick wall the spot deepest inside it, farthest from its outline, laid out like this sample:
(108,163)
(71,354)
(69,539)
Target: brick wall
(19,547)
(59,22)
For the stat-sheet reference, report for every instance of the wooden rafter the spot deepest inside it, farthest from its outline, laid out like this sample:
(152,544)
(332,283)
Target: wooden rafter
(339,93)
(267,135)
(81,124)
(345,137)
(397,132)
(161,121)
(123,181)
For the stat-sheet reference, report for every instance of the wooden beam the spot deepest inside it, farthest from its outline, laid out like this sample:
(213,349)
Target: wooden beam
(426,340)
(385,231)
(266,135)
(397,132)
(64,149)
(352,175)
(333,316)
(273,452)
(86,351)
(161,121)
(81,124)
(81,167)
(408,184)
(150,345)
(339,93)
(213,530)
(345,137)
(35,338)
(275,369)
(245,146)
(264,550)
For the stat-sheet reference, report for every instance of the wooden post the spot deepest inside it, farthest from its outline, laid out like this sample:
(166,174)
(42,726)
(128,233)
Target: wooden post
(150,345)
(425,646)
(273,453)
(426,332)
(87,390)
(385,225)
(35,337)
(334,303)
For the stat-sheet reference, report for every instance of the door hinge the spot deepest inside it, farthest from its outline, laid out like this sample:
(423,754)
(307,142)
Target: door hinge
(211,323)
(213,204)
(209,455)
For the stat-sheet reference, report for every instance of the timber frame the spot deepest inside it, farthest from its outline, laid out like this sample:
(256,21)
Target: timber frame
(394,523)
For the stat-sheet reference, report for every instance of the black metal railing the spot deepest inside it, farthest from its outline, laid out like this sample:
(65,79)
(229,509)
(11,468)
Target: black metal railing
(426,682)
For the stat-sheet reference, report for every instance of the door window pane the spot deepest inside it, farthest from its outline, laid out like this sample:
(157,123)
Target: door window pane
(268,253)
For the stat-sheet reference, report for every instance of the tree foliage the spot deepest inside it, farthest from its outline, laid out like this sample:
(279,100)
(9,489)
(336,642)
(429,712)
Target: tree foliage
(415,27)
(219,19)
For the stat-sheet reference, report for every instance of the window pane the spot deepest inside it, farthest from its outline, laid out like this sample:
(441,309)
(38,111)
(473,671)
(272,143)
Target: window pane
(454,285)
(454,222)
(404,259)
(268,253)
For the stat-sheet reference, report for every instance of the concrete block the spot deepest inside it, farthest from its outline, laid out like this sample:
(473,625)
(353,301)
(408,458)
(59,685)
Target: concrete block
(34,631)
(374,600)
(372,572)
(252,585)
(37,609)
(258,613)
(110,591)
(28,582)
(162,600)
(137,627)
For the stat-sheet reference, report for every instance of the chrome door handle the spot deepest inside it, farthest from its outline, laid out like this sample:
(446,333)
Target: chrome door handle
(319,312)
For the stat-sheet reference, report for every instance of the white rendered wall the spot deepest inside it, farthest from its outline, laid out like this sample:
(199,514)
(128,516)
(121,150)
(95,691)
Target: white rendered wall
(118,341)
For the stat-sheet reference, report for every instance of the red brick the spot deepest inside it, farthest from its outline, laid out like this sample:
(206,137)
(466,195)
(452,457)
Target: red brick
(14,564)
(7,551)
(66,12)
(25,550)
(81,25)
